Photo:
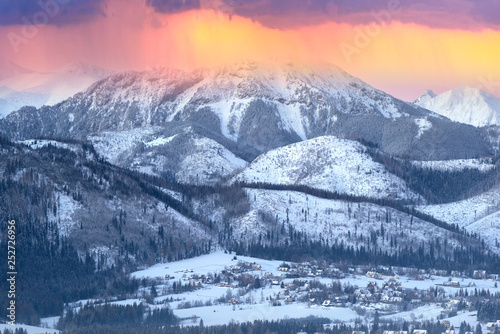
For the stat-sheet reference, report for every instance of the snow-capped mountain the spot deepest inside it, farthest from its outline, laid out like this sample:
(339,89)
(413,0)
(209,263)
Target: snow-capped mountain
(427,96)
(81,68)
(465,105)
(27,88)
(185,156)
(327,163)
(255,107)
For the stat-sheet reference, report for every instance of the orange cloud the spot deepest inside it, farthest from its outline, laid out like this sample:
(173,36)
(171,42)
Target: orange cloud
(402,59)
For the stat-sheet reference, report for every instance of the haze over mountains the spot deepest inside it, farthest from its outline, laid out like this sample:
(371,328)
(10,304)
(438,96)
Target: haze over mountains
(21,87)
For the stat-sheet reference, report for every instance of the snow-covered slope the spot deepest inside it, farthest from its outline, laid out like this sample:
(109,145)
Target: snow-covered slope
(257,106)
(333,220)
(293,89)
(186,155)
(457,165)
(478,214)
(426,97)
(465,105)
(326,163)
(25,88)
(298,97)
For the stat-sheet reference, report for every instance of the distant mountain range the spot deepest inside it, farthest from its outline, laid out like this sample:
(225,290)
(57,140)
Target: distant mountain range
(21,87)
(465,105)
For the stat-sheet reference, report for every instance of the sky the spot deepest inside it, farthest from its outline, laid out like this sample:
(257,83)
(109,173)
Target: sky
(403,47)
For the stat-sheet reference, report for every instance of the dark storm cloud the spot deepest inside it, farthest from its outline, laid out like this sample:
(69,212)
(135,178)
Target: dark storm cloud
(173,6)
(464,14)
(58,12)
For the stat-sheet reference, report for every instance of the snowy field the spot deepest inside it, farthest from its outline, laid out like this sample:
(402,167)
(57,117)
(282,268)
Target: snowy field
(30,329)
(220,315)
(203,265)
(255,306)
(482,165)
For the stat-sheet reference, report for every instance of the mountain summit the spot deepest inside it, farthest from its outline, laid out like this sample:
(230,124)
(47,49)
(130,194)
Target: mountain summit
(81,68)
(465,105)
(427,96)
(253,108)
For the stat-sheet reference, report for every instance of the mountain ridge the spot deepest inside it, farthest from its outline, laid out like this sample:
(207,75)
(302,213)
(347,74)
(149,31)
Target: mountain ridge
(466,105)
(256,108)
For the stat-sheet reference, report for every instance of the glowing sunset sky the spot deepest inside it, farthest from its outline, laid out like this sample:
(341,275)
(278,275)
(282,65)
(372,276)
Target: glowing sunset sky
(402,47)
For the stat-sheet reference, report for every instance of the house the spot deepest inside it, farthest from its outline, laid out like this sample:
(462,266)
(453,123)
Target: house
(419,331)
(453,284)
(492,326)
(479,274)
(234,301)
(327,303)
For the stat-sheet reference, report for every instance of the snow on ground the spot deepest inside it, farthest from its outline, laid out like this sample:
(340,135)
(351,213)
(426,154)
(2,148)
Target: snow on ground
(465,105)
(488,227)
(211,263)
(39,143)
(329,218)
(482,165)
(426,312)
(223,314)
(327,163)
(160,141)
(476,214)
(467,211)
(423,126)
(205,162)
(66,207)
(114,144)
(209,159)
(256,307)
(49,322)
(290,114)
(468,317)
(30,329)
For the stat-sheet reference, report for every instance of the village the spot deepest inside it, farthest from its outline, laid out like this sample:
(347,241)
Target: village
(356,293)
